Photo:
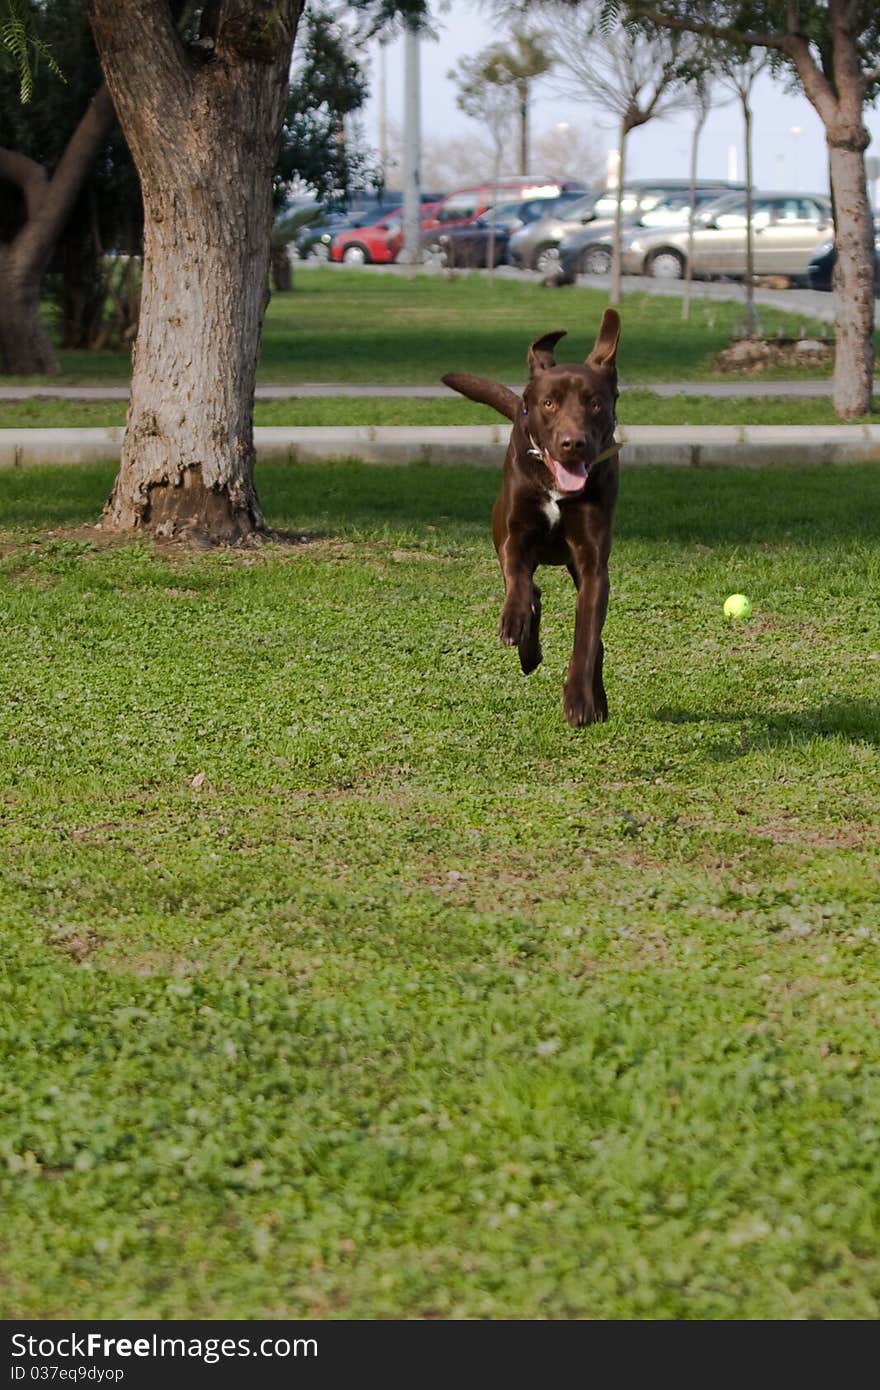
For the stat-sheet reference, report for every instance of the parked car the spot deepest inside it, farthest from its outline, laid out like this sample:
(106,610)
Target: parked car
(467,203)
(536,247)
(588,251)
(376,244)
(468,245)
(313,243)
(821,266)
(786,229)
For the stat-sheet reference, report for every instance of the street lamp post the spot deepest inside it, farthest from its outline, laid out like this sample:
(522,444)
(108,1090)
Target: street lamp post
(795,132)
(412,141)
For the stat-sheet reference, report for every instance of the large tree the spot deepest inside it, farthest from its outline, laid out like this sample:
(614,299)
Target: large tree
(201,104)
(832,49)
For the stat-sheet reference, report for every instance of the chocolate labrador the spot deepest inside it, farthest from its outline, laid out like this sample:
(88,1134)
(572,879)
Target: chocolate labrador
(556,503)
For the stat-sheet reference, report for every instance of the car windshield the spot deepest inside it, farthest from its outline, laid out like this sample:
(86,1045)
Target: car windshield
(731,202)
(676,208)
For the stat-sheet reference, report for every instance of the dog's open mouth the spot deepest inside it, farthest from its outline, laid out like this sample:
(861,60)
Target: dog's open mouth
(568,477)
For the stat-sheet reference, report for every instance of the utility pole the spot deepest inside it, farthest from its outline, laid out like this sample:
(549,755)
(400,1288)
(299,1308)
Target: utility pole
(383,115)
(411,253)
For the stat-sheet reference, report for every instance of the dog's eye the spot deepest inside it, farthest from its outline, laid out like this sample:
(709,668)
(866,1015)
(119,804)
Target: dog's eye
(549,404)
(595,405)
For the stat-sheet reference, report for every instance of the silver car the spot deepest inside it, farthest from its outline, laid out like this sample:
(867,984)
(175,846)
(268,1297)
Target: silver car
(786,229)
(536,247)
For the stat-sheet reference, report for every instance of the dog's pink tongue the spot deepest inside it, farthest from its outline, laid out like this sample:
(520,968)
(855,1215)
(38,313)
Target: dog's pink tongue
(567,479)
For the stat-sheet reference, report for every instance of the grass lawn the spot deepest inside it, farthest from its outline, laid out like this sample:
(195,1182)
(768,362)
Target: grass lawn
(341,978)
(635,408)
(341,325)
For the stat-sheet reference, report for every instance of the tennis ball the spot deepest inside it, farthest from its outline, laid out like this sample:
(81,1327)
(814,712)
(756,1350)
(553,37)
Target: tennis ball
(737,606)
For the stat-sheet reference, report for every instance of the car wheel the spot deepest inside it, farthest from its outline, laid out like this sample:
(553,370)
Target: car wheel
(547,259)
(666,265)
(435,256)
(320,251)
(596,260)
(355,255)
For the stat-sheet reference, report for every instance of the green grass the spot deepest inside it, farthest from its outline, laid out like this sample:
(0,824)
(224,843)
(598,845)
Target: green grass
(339,325)
(422,1003)
(635,408)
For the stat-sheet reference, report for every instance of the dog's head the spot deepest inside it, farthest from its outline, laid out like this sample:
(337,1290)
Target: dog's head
(569,411)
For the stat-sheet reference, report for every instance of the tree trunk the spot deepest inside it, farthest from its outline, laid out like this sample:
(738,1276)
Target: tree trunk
(614,292)
(25,347)
(282,278)
(838,96)
(853,282)
(204,135)
(702,113)
(523,98)
(750,231)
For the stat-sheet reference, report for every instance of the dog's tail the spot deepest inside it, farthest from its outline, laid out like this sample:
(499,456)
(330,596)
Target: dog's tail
(479,388)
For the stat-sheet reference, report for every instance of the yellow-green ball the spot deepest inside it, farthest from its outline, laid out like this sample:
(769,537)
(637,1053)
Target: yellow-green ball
(737,606)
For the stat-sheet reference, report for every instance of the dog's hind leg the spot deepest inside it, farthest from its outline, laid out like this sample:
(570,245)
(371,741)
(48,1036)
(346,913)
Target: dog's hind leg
(530,654)
(600,699)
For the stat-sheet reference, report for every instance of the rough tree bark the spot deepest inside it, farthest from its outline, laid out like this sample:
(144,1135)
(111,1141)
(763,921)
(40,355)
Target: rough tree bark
(840,104)
(203,125)
(25,348)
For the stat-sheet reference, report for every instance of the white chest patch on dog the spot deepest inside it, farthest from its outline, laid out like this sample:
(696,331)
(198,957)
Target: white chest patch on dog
(550,508)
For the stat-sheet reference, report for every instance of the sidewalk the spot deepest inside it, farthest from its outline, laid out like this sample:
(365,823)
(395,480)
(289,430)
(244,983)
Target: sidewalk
(704,446)
(311,389)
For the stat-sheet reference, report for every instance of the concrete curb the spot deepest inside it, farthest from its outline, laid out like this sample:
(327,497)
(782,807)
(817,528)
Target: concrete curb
(308,390)
(707,446)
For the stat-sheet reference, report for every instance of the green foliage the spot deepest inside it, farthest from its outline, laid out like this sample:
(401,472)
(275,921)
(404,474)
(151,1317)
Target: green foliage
(420,1003)
(21,46)
(329,85)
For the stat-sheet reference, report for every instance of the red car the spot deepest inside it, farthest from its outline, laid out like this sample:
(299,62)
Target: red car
(377,244)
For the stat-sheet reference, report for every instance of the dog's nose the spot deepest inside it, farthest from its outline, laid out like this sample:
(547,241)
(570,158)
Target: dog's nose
(569,443)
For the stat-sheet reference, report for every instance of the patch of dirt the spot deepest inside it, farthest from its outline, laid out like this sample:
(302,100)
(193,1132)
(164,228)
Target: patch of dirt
(791,832)
(78,945)
(755,355)
(93,537)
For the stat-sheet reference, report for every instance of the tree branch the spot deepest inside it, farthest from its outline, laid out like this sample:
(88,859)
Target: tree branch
(38,236)
(27,175)
(745,37)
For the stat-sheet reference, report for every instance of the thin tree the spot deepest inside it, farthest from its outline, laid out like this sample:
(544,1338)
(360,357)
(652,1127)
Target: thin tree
(520,61)
(738,71)
(832,47)
(633,76)
(490,101)
(702,105)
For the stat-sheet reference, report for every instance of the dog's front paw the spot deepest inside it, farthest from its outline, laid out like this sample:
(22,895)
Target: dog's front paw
(516,624)
(580,707)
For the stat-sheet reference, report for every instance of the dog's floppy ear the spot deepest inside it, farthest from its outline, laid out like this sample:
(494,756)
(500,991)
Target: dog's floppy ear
(541,351)
(479,388)
(604,353)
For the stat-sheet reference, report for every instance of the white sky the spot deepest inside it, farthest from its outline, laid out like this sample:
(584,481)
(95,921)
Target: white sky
(782,159)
